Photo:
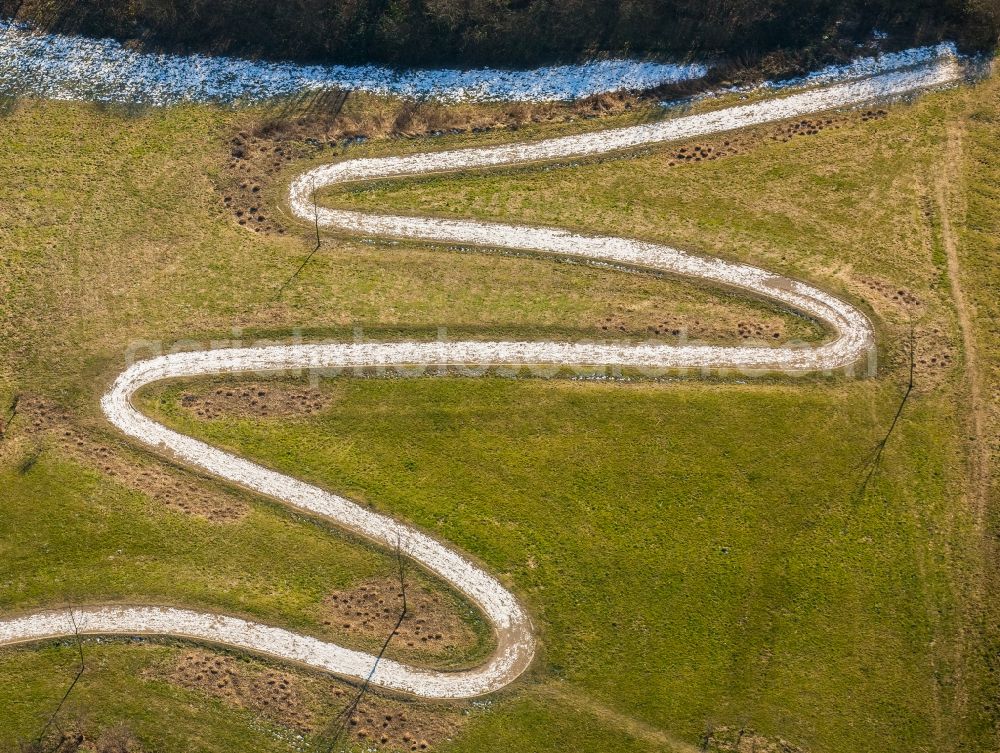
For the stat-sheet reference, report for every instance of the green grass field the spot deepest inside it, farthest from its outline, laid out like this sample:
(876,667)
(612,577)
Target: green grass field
(695,553)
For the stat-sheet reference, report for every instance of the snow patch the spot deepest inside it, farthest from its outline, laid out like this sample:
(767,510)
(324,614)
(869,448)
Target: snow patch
(863,67)
(54,66)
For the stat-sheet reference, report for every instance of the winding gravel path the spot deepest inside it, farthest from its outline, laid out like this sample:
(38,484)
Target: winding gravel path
(850,343)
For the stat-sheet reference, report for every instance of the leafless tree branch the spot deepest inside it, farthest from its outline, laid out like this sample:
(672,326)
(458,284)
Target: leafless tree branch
(338,726)
(875,460)
(311,253)
(11,414)
(62,701)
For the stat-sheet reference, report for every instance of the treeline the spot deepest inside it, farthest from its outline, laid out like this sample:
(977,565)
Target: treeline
(514,32)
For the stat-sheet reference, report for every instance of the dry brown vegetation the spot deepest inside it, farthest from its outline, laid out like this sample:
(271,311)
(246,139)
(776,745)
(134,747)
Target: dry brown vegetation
(744,740)
(307,703)
(52,427)
(256,399)
(431,625)
(309,127)
(74,736)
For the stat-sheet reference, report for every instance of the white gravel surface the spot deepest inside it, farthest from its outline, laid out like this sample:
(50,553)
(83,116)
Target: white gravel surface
(851,341)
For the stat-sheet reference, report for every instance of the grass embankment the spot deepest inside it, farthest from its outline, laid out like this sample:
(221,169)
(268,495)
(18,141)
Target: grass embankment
(695,554)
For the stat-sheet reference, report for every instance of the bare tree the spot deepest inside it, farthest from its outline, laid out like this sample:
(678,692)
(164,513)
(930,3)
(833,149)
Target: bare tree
(39,741)
(311,253)
(11,414)
(875,460)
(337,729)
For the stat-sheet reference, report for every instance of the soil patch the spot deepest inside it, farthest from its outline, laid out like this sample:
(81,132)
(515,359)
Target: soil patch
(308,704)
(741,740)
(741,142)
(432,624)
(934,350)
(256,401)
(175,489)
(75,737)
(276,695)
(893,296)
(768,330)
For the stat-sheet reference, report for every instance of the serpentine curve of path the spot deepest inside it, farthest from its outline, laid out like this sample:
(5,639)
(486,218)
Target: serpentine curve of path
(851,341)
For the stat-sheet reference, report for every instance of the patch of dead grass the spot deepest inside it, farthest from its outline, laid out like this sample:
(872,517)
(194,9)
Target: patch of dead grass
(744,740)
(308,704)
(256,401)
(177,490)
(372,609)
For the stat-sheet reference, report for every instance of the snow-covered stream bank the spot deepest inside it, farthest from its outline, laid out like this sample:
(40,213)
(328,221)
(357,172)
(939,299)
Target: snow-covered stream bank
(859,68)
(52,66)
(66,67)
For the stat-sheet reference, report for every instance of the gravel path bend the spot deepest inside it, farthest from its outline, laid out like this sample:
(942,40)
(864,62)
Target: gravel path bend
(850,343)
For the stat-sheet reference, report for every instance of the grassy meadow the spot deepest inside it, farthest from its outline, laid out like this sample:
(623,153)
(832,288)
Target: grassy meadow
(696,553)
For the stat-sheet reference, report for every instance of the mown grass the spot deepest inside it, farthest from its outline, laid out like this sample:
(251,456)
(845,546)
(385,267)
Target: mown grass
(683,570)
(109,543)
(694,554)
(839,207)
(118,685)
(978,246)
